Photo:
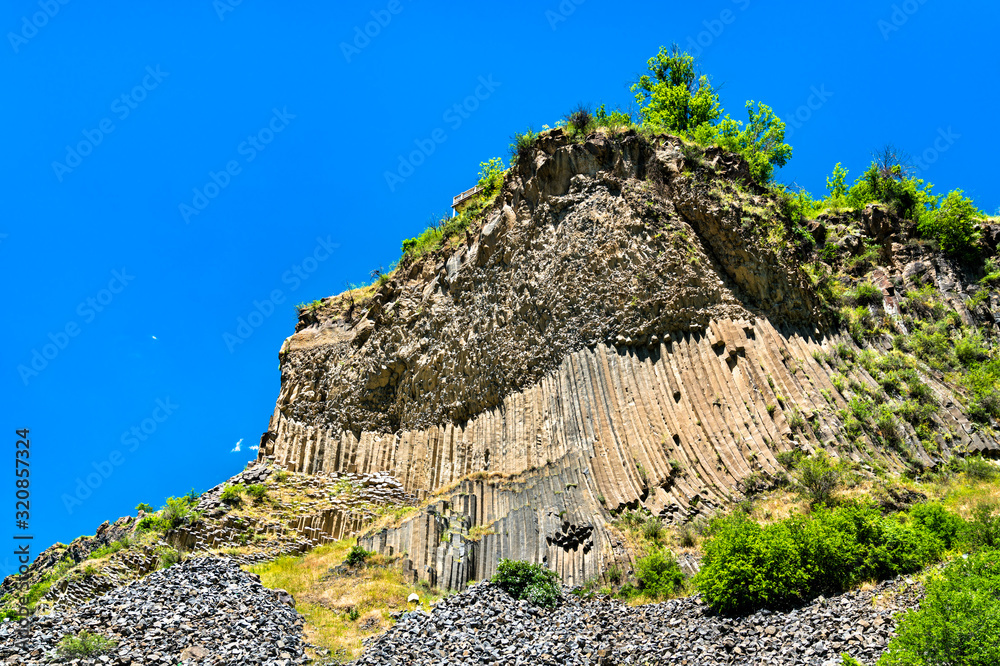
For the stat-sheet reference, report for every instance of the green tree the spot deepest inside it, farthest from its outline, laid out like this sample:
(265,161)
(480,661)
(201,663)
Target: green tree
(673,95)
(761,142)
(490,177)
(954,224)
(837,183)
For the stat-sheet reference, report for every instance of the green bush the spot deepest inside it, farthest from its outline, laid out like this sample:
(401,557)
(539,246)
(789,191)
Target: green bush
(817,478)
(490,179)
(579,119)
(983,530)
(142,506)
(524,580)
(232,494)
(523,146)
(867,294)
(612,120)
(747,566)
(85,644)
(357,556)
(659,574)
(953,225)
(761,143)
(958,621)
(168,557)
(257,491)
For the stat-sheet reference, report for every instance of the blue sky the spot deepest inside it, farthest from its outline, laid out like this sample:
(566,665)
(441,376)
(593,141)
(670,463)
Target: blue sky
(171,171)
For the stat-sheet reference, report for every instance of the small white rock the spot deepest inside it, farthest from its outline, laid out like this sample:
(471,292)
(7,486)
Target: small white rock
(413,599)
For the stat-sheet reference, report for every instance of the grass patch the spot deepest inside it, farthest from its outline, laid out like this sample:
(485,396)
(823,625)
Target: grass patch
(329,601)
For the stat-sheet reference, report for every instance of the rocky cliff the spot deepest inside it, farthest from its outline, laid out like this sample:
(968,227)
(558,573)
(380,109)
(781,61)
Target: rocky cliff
(627,324)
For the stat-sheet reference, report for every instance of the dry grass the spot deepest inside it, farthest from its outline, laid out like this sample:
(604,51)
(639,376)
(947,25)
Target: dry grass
(326,602)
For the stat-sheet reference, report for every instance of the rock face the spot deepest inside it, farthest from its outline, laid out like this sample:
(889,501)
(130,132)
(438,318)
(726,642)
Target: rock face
(619,332)
(485,625)
(203,611)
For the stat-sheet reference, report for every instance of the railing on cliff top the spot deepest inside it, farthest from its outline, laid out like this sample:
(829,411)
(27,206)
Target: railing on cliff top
(460,199)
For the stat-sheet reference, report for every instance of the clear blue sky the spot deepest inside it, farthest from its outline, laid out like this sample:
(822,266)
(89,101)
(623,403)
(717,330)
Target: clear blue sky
(117,112)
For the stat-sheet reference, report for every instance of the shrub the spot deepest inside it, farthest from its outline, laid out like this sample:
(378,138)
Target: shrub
(524,580)
(659,574)
(257,491)
(85,644)
(953,225)
(579,119)
(168,557)
(983,530)
(652,529)
(748,566)
(177,510)
(490,179)
(867,294)
(958,621)
(523,146)
(613,120)
(817,478)
(946,526)
(357,556)
(142,506)
(232,494)
(837,183)
(978,468)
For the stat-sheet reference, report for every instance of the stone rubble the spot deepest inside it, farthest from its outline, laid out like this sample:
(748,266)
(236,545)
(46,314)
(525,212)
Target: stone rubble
(202,611)
(484,625)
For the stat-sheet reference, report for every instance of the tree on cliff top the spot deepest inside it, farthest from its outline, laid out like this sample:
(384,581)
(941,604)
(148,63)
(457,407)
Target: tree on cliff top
(675,97)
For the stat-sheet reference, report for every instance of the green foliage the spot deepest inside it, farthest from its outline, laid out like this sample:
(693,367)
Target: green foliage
(579,119)
(953,225)
(613,120)
(673,96)
(887,183)
(837,183)
(958,621)
(817,478)
(524,580)
(232,494)
(357,556)
(490,179)
(168,557)
(522,146)
(257,491)
(867,294)
(113,547)
(761,143)
(983,530)
(652,529)
(142,506)
(85,644)
(659,574)
(748,566)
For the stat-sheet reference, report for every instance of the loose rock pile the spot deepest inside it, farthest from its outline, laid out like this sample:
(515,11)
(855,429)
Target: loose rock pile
(203,611)
(484,625)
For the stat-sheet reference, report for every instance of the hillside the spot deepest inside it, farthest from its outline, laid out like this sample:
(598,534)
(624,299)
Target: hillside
(631,330)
